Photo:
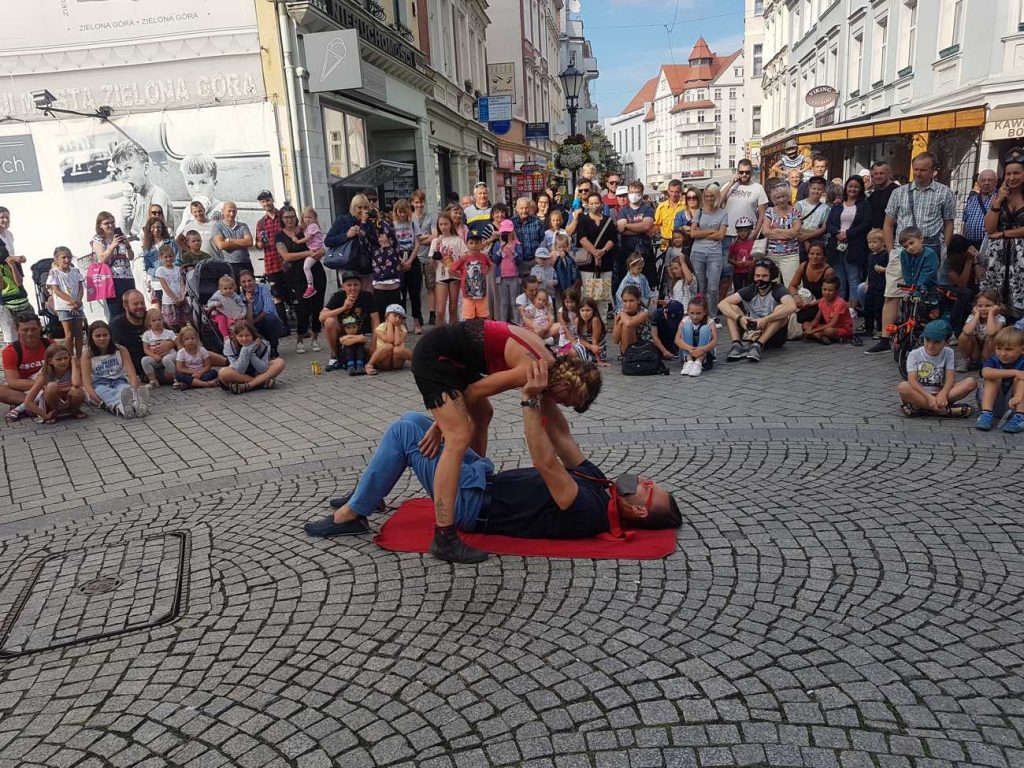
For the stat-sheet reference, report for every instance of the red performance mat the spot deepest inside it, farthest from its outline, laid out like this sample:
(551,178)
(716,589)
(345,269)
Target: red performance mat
(411,529)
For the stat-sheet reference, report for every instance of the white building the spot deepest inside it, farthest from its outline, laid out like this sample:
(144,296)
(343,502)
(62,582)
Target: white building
(691,119)
(751,119)
(627,132)
(946,75)
(576,50)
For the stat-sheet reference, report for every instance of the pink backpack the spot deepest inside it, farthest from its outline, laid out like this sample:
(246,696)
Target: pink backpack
(99,282)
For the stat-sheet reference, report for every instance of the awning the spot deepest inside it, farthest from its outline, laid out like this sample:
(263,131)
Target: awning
(376,174)
(972,117)
(1005,123)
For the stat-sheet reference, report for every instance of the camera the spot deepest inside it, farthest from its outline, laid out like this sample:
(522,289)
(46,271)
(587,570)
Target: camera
(371,215)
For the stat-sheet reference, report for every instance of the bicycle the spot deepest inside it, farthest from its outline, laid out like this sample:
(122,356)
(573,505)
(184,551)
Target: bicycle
(918,308)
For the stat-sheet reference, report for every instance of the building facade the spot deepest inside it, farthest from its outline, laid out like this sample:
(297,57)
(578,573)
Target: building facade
(909,75)
(627,132)
(577,51)
(751,117)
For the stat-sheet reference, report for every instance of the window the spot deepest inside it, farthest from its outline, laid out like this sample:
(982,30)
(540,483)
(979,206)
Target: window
(718,94)
(908,37)
(732,139)
(718,115)
(758,59)
(737,71)
(345,141)
(755,122)
(880,46)
(758,7)
(700,116)
(951,28)
(856,58)
(732,115)
(732,94)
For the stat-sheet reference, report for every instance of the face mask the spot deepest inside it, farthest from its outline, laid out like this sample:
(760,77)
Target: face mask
(762,284)
(634,197)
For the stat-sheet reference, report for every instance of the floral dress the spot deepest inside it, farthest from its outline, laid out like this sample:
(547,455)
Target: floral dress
(1005,261)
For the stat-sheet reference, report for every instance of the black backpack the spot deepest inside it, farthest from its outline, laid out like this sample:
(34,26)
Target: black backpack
(643,359)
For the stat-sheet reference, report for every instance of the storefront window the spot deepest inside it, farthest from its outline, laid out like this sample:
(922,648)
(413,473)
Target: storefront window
(345,141)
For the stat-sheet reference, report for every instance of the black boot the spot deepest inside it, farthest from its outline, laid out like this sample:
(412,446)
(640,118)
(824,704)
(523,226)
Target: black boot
(448,546)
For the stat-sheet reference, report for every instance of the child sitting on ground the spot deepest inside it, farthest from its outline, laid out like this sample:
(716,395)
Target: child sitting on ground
(977,340)
(226,304)
(537,315)
(249,364)
(592,344)
(525,299)
(568,322)
(391,353)
(57,388)
(633,321)
(741,252)
(634,277)
(874,299)
(153,363)
(353,346)
(193,363)
(1003,376)
(472,268)
(313,239)
(697,338)
(931,387)
(833,321)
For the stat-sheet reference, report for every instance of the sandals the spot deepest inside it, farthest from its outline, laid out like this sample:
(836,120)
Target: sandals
(269,384)
(79,415)
(238,388)
(960,411)
(12,416)
(370,370)
(910,411)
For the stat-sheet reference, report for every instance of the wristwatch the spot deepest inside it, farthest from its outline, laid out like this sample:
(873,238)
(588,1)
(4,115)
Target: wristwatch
(533,402)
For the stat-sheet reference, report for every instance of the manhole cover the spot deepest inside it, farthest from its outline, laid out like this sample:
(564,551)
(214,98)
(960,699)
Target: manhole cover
(75,596)
(99,586)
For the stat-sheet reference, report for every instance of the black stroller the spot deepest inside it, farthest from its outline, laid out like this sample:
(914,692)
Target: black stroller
(200,285)
(44,300)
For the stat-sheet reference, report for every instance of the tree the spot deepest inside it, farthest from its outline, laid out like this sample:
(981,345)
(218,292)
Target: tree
(603,151)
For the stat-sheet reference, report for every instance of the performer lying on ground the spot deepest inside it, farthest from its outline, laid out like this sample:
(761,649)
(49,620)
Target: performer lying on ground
(563,496)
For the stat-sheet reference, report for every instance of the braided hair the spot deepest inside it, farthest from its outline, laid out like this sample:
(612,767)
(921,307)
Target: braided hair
(582,377)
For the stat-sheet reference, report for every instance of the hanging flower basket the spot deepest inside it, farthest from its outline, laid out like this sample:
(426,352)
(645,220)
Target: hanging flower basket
(574,152)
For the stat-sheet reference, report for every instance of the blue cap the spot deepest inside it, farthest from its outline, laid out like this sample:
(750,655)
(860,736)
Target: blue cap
(937,330)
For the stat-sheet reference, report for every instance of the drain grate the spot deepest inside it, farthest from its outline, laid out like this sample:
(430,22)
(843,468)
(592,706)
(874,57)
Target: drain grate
(98,592)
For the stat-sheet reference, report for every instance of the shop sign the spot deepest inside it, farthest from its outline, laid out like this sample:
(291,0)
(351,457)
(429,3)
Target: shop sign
(825,117)
(499,108)
(528,183)
(332,60)
(501,79)
(1005,123)
(538,131)
(373,34)
(506,159)
(19,169)
(697,174)
(822,96)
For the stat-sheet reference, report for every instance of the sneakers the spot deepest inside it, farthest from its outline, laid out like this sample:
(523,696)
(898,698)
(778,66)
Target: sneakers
(737,352)
(334,364)
(754,353)
(315,346)
(327,527)
(360,369)
(300,348)
(451,548)
(985,421)
(691,368)
(310,291)
(1015,424)
(126,407)
(962,366)
(351,369)
(142,401)
(883,345)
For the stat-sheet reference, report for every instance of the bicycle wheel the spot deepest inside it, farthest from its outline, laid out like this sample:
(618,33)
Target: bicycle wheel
(909,343)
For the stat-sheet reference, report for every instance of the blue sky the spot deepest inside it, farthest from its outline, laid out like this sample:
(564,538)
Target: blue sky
(630,40)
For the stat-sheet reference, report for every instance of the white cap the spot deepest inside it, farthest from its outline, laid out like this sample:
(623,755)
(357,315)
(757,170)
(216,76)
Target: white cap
(396,308)
(621,191)
(542,253)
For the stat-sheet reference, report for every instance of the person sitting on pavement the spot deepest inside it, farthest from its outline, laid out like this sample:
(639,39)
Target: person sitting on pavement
(260,309)
(248,360)
(22,361)
(758,315)
(353,301)
(1003,378)
(931,388)
(391,353)
(562,496)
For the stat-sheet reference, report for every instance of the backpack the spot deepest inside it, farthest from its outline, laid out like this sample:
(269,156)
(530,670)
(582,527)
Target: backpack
(643,359)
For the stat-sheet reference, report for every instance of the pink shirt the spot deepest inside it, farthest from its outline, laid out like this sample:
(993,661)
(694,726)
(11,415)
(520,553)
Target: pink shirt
(838,306)
(508,267)
(314,237)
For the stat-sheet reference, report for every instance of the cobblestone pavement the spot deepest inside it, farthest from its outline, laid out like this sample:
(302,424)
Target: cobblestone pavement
(848,589)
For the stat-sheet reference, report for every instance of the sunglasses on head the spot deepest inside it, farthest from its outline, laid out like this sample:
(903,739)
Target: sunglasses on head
(764,263)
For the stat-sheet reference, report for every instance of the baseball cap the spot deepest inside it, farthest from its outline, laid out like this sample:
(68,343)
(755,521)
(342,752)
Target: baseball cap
(542,253)
(744,222)
(398,309)
(474,236)
(622,191)
(350,320)
(791,144)
(937,330)
(265,194)
(506,226)
(350,274)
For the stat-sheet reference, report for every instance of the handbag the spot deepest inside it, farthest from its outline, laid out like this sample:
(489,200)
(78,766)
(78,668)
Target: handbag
(759,248)
(597,288)
(643,359)
(582,256)
(342,257)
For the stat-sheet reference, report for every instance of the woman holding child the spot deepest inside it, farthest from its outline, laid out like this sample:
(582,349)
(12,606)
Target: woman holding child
(307,310)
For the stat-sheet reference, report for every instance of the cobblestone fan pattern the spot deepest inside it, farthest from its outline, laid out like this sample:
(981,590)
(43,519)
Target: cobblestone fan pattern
(848,589)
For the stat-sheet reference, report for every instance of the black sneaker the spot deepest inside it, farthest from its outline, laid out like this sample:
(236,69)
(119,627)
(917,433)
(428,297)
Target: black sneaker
(327,527)
(882,345)
(738,352)
(455,550)
(334,364)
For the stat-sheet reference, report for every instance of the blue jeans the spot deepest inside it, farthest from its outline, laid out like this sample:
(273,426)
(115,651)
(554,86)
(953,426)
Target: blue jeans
(709,271)
(703,337)
(849,275)
(399,449)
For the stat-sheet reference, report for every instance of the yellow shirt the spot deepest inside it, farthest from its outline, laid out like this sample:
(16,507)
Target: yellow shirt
(664,218)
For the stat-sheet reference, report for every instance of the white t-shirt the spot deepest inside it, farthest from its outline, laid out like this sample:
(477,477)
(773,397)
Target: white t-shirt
(981,329)
(815,221)
(931,371)
(71,282)
(744,200)
(165,335)
(194,362)
(173,277)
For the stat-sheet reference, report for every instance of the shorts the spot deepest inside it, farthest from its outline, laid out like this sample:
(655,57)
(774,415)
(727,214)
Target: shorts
(447,360)
(474,308)
(893,277)
(727,270)
(67,315)
(173,315)
(63,402)
(429,274)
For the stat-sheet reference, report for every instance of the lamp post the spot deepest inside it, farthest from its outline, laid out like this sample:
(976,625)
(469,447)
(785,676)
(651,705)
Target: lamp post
(572,84)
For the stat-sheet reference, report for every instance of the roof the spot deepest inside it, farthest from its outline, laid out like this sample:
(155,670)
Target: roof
(676,75)
(683,105)
(650,113)
(703,76)
(644,95)
(701,50)
(682,77)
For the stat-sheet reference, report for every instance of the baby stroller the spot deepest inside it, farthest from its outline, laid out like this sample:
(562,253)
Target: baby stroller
(200,285)
(44,300)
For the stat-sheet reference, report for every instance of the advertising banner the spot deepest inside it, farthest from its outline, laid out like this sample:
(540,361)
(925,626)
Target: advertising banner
(85,166)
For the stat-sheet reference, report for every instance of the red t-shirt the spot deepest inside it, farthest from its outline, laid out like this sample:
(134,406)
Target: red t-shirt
(740,252)
(31,359)
(838,306)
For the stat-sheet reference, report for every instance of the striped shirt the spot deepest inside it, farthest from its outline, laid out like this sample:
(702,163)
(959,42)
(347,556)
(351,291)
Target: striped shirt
(974,216)
(933,206)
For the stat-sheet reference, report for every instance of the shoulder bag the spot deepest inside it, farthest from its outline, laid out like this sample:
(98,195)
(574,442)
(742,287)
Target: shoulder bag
(643,359)
(582,256)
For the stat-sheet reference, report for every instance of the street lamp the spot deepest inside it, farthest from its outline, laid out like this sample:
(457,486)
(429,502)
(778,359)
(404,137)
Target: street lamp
(572,83)
(44,101)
